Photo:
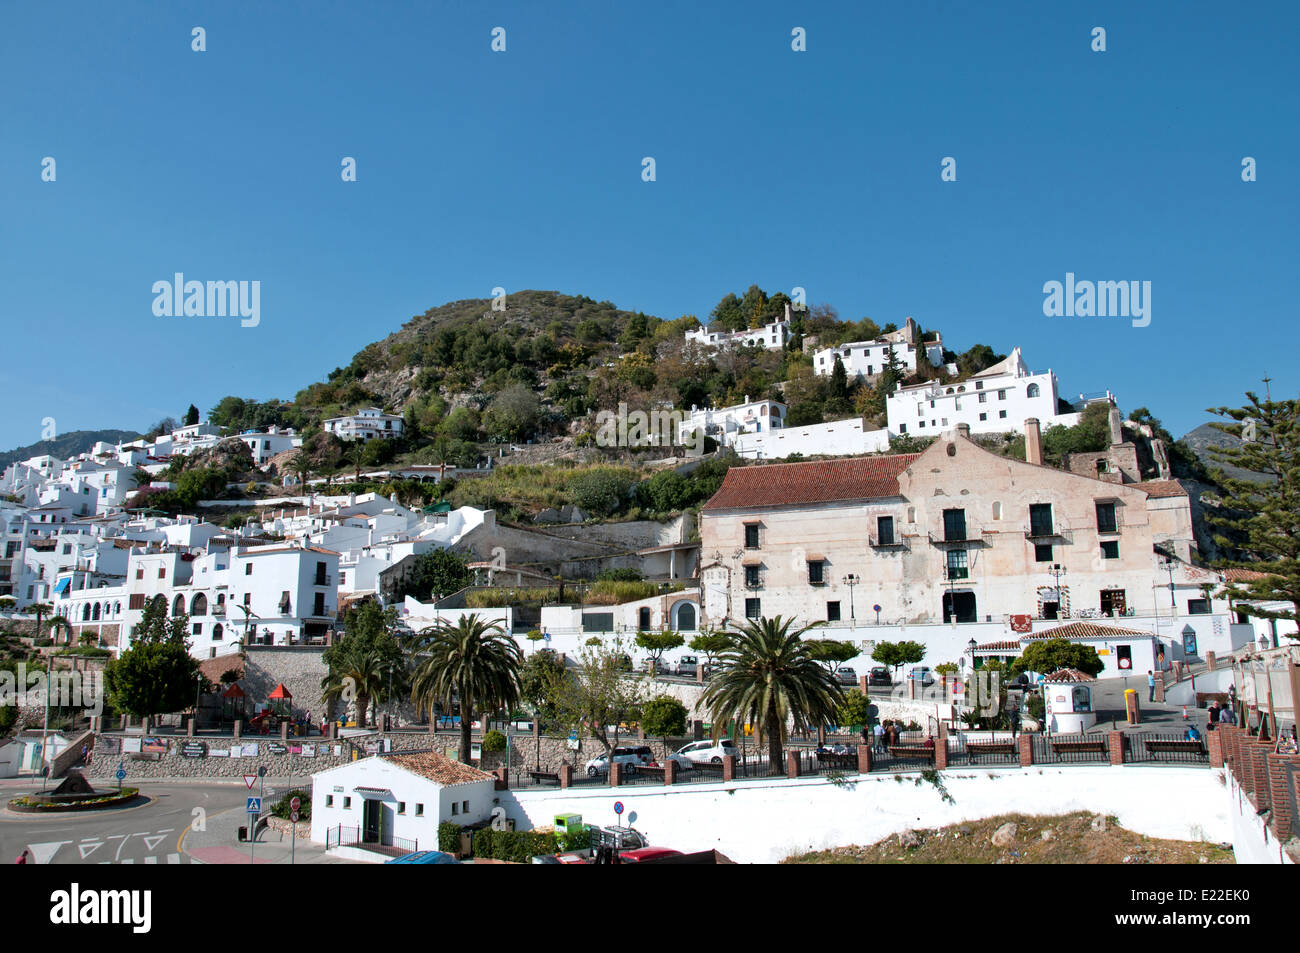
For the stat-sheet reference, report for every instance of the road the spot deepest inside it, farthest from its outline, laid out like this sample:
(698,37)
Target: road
(148,834)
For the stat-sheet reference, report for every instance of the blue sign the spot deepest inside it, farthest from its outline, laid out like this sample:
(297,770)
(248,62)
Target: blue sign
(254,805)
(546,636)
(618,808)
(121,773)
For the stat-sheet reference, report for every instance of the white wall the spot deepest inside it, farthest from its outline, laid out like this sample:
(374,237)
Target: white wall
(764,822)
(838,438)
(1252,841)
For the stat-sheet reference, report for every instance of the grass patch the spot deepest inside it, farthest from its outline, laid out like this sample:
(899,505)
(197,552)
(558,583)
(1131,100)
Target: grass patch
(1078,838)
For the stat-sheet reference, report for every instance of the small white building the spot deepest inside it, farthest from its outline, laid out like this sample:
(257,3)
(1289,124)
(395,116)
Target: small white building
(1067,696)
(771,336)
(727,423)
(867,360)
(848,437)
(28,751)
(399,799)
(266,445)
(366,424)
(998,399)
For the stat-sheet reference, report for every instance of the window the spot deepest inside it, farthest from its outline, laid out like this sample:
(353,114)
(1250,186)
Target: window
(1106,522)
(401,807)
(217,632)
(997,510)
(984,416)
(455,808)
(1002,395)
(1110,549)
(318,607)
(1040,519)
(984,398)
(419,810)
(954,525)
(957,565)
(248,569)
(347,804)
(751,536)
(329,800)
(135,601)
(921,424)
(464,807)
(752,580)
(139,573)
(1032,390)
(1198,606)
(832,612)
(885,530)
(198,628)
(815,576)
(902,428)
(753,609)
(1113,603)
(162,572)
(1002,415)
(1042,552)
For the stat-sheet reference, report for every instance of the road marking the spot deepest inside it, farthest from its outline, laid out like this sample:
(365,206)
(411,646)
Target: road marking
(44,852)
(173,858)
(151,859)
(128,861)
(153,840)
(89,847)
(124,838)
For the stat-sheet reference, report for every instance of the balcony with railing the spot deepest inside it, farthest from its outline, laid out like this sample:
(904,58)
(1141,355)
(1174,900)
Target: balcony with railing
(889,542)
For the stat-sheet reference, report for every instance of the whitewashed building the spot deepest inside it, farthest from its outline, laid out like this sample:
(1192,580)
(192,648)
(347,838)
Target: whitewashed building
(726,424)
(366,424)
(771,336)
(848,437)
(867,360)
(268,444)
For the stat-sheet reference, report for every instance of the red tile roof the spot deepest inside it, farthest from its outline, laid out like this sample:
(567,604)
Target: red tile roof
(1243,575)
(438,768)
(1088,630)
(998,647)
(1069,675)
(1162,488)
(823,481)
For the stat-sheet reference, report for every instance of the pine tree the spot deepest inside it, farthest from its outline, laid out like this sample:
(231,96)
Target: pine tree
(1264,515)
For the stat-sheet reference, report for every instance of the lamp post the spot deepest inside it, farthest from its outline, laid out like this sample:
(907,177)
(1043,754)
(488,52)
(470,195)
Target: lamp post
(1057,572)
(1167,564)
(198,687)
(851,580)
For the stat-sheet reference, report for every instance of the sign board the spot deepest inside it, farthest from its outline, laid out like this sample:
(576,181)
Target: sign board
(131,745)
(250,780)
(958,687)
(194,749)
(276,748)
(295,803)
(618,808)
(476,751)
(121,773)
(293,816)
(309,751)
(254,805)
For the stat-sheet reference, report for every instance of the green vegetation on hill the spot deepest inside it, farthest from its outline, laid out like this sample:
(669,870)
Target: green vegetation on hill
(65,445)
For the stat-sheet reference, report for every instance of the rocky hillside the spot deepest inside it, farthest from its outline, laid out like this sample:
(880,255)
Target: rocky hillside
(1206,436)
(65,445)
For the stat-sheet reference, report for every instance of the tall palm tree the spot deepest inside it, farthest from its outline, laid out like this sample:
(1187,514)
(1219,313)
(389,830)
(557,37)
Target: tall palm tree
(300,465)
(473,661)
(768,676)
(361,679)
(60,624)
(40,610)
(355,455)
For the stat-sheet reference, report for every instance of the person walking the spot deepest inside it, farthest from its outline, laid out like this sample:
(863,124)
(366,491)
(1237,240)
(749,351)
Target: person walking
(878,733)
(1151,686)
(22,858)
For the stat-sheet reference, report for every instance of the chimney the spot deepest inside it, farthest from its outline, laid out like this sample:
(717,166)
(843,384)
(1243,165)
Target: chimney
(787,311)
(1033,441)
(963,430)
(1116,427)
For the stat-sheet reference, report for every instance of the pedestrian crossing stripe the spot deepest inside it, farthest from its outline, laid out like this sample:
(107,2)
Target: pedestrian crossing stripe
(151,859)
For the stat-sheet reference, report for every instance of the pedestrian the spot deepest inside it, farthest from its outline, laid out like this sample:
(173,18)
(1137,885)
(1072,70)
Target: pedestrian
(1226,716)
(1214,711)
(22,858)
(1151,686)
(879,737)
(1232,693)
(1192,733)
(84,751)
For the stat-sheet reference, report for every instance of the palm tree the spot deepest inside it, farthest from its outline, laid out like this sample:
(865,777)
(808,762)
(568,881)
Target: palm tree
(40,610)
(361,679)
(61,624)
(300,465)
(473,661)
(768,676)
(355,455)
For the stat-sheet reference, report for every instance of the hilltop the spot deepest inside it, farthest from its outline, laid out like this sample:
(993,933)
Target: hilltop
(65,445)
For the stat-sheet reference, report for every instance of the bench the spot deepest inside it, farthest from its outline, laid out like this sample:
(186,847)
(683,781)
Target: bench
(540,776)
(978,748)
(838,760)
(912,751)
(1171,744)
(1079,747)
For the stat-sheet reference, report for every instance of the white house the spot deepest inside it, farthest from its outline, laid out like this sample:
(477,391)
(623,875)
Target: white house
(366,424)
(771,336)
(867,360)
(266,445)
(848,437)
(726,423)
(996,400)
(397,799)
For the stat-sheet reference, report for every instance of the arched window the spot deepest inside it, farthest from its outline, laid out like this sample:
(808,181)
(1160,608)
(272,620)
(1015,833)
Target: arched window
(217,632)
(85,612)
(160,601)
(685,617)
(117,609)
(643,619)
(94,613)
(178,605)
(1031,390)
(199,604)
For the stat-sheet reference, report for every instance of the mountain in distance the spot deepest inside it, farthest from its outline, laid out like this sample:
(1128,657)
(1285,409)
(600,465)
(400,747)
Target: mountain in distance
(1206,436)
(65,445)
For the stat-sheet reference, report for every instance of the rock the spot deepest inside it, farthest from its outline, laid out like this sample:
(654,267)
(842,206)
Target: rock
(1099,823)
(547,515)
(908,840)
(1005,835)
(963,831)
(1128,859)
(1048,834)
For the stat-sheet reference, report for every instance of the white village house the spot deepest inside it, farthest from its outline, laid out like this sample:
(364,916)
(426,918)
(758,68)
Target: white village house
(366,424)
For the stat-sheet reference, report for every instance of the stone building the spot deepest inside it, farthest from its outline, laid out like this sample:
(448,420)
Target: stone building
(954,532)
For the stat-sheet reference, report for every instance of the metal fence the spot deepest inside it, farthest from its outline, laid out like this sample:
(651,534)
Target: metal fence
(1152,748)
(1070,749)
(980,749)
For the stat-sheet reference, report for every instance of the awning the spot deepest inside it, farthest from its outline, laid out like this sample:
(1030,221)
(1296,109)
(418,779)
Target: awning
(374,794)
(281,692)
(62,585)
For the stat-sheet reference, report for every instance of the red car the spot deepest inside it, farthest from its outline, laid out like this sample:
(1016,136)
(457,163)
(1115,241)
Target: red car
(646,853)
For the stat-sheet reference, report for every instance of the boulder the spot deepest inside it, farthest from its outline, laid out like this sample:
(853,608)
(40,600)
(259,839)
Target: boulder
(1005,835)
(908,840)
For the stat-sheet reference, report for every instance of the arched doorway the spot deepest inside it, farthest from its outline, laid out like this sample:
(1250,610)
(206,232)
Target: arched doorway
(684,617)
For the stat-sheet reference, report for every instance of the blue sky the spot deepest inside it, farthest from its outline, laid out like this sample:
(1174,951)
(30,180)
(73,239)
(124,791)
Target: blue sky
(522,169)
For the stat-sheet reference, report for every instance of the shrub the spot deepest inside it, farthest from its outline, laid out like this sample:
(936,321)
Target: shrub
(448,837)
(515,846)
(494,741)
(281,807)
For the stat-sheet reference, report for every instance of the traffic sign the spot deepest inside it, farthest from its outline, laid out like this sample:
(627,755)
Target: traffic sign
(618,808)
(293,815)
(295,803)
(250,780)
(254,805)
(958,687)
(121,773)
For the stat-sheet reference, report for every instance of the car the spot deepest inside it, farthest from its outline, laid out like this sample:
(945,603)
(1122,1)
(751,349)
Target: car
(630,757)
(424,857)
(689,666)
(703,752)
(846,675)
(880,676)
(922,674)
(642,854)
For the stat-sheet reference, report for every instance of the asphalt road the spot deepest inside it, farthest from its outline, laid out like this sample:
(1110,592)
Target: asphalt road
(147,834)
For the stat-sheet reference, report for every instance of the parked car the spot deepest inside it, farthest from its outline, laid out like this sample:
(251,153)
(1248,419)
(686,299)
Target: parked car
(846,675)
(703,752)
(689,666)
(641,854)
(922,674)
(880,676)
(630,757)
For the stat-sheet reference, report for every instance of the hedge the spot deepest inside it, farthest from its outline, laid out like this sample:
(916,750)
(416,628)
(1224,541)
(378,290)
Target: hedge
(449,837)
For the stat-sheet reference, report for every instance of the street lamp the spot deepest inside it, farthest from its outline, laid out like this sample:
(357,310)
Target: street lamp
(198,687)
(1057,572)
(1167,564)
(851,580)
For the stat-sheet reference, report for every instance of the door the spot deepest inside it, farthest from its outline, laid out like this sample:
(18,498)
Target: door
(371,821)
(960,603)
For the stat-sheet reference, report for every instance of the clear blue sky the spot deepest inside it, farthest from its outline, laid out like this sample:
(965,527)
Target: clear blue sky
(818,169)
